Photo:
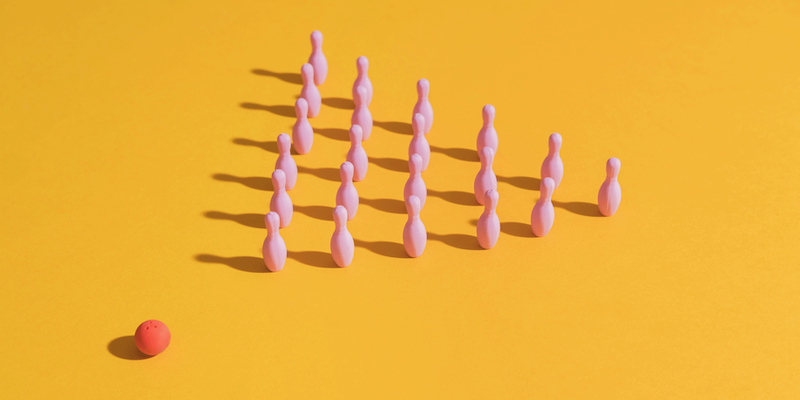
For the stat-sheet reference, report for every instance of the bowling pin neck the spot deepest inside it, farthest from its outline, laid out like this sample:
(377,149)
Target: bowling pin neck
(362,65)
(488,115)
(546,188)
(301,108)
(356,135)
(418,124)
(423,88)
(316,41)
(346,173)
(307,72)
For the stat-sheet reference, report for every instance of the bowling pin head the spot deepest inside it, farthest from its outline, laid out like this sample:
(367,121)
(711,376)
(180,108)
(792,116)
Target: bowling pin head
(278,180)
(361,96)
(418,124)
(488,114)
(547,187)
(316,40)
(423,88)
(362,65)
(487,157)
(415,163)
(490,199)
(356,135)
(346,172)
(307,72)
(612,167)
(273,221)
(412,206)
(284,143)
(340,216)
(555,143)
(301,108)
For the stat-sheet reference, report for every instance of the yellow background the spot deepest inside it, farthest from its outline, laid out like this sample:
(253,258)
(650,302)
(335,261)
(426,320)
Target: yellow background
(138,138)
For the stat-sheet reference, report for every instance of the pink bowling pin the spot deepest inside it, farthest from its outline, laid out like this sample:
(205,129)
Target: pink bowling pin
(423,106)
(356,155)
(274,248)
(317,58)
(415,186)
(610,192)
(361,115)
(419,144)
(543,214)
(486,179)
(302,133)
(362,65)
(281,203)
(487,136)
(489,223)
(415,237)
(285,161)
(310,91)
(342,245)
(552,167)
(347,195)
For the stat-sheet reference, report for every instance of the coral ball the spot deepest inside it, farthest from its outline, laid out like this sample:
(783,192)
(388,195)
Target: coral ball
(152,337)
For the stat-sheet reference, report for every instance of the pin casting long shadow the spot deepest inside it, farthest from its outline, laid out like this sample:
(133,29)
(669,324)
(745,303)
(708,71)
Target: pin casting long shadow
(328,174)
(324,213)
(522,182)
(251,220)
(391,206)
(580,208)
(457,153)
(253,182)
(386,249)
(342,135)
(285,111)
(517,229)
(457,240)
(242,263)
(403,128)
(289,77)
(125,348)
(455,197)
(313,258)
(392,164)
(270,145)
(339,102)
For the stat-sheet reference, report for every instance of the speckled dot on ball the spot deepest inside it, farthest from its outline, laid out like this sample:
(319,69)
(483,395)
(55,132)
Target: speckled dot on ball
(152,337)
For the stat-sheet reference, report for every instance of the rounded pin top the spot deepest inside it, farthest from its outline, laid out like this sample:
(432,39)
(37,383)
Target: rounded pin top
(278,180)
(346,171)
(415,163)
(307,72)
(423,88)
(488,114)
(340,216)
(547,187)
(356,134)
(362,65)
(487,156)
(316,40)
(284,143)
(612,167)
(418,124)
(554,142)
(412,205)
(361,96)
(301,108)
(490,199)
(272,221)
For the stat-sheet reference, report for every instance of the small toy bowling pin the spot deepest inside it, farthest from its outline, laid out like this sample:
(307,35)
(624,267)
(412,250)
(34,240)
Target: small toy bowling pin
(342,245)
(317,58)
(274,248)
(610,192)
(361,115)
(423,106)
(356,155)
(419,144)
(347,195)
(362,65)
(415,186)
(281,203)
(302,133)
(415,237)
(285,161)
(489,223)
(486,179)
(310,91)
(552,167)
(543,214)
(487,137)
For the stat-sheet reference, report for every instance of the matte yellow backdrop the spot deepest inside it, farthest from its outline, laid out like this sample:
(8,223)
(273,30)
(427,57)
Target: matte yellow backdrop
(138,139)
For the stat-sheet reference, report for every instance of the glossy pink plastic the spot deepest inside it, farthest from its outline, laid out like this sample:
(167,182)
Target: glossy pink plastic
(552,167)
(342,246)
(543,214)
(347,195)
(310,91)
(489,223)
(423,105)
(357,155)
(486,179)
(361,115)
(362,65)
(274,249)
(415,237)
(285,161)
(419,144)
(610,192)
(317,58)
(487,136)
(281,203)
(415,186)
(302,133)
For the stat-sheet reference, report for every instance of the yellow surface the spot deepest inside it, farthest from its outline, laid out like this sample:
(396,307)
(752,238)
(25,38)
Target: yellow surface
(137,139)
